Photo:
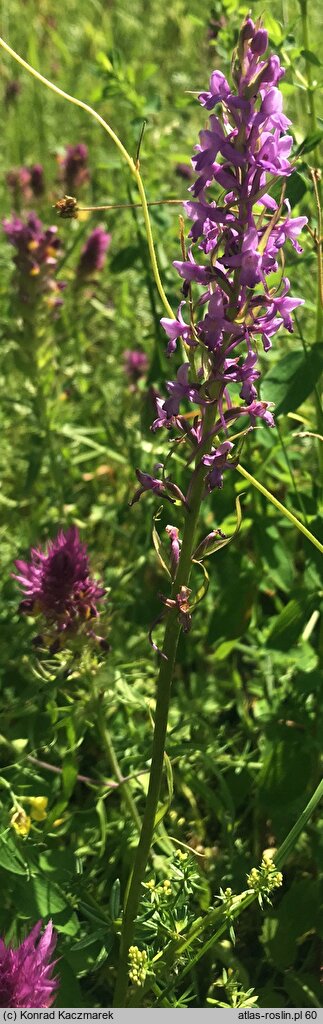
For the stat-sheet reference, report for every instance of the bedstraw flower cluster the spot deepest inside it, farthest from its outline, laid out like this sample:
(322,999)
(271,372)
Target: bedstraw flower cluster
(138,965)
(231,304)
(266,878)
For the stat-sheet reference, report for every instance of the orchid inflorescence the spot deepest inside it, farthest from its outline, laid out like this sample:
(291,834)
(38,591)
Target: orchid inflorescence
(244,150)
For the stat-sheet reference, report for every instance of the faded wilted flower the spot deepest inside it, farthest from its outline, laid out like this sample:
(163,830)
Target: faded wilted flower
(21,823)
(26,972)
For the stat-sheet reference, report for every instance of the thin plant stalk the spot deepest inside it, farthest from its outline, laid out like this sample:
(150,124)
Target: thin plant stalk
(282,508)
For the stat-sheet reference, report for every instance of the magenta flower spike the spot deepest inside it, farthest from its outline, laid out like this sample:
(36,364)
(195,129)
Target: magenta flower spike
(229,303)
(26,972)
(93,254)
(57,583)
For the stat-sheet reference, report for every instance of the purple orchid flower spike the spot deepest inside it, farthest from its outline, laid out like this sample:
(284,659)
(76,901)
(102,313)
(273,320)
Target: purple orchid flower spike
(236,245)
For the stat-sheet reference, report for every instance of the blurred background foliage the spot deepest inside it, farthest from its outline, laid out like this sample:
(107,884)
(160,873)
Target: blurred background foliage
(245,730)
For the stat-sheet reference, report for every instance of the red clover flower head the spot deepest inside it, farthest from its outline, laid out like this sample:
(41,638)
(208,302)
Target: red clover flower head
(231,303)
(37,250)
(93,254)
(26,972)
(57,583)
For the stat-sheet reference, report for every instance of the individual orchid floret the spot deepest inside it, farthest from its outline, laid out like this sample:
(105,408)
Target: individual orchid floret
(93,254)
(217,462)
(57,584)
(176,329)
(165,488)
(260,410)
(207,545)
(219,90)
(180,389)
(148,483)
(26,973)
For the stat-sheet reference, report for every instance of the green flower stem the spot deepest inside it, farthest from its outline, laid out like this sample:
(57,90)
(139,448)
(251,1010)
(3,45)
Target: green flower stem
(282,508)
(133,166)
(164,683)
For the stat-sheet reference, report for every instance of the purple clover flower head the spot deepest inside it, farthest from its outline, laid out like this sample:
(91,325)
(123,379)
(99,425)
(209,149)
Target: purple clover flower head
(57,583)
(26,972)
(74,169)
(135,363)
(93,254)
(37,250)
